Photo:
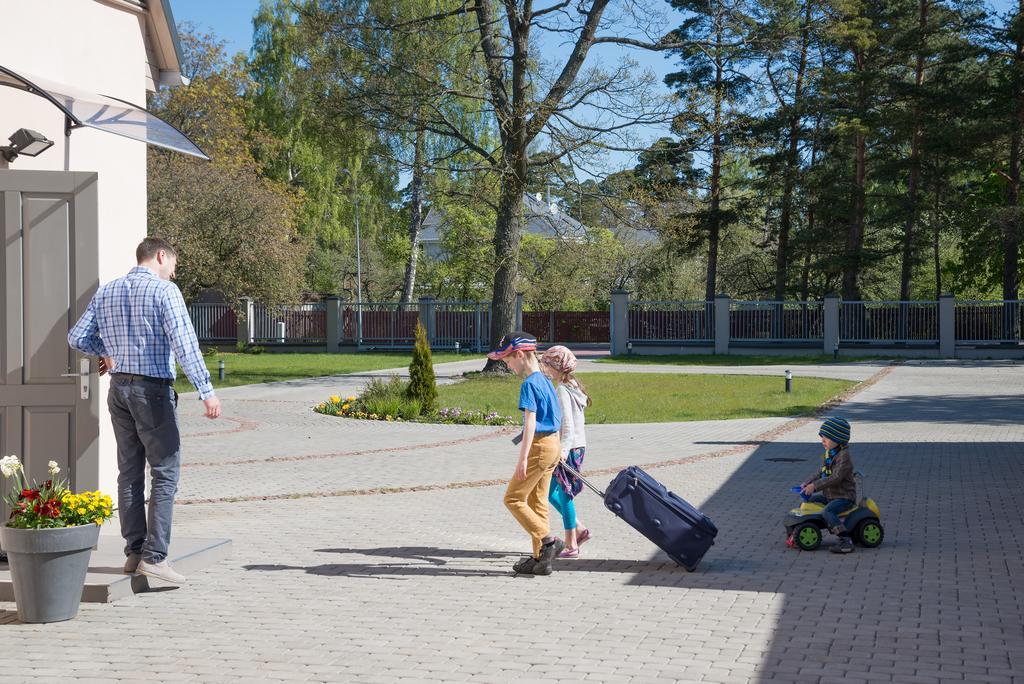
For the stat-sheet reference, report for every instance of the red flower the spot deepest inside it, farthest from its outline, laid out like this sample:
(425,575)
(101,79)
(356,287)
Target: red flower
(51,509)
(29,494)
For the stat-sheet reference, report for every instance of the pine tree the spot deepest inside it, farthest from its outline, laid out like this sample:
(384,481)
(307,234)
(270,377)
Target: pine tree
(422,385)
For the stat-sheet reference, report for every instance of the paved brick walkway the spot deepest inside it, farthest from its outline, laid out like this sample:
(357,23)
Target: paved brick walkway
(415,585)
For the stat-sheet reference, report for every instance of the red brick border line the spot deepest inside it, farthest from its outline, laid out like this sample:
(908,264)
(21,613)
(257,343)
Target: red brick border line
(748,447)
(502,432)
(244,425)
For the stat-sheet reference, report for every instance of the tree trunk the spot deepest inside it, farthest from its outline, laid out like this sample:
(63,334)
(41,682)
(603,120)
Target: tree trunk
(1011,227)
(507,239)
(855,235)
(907,268)
(415,219)
(792,162)
(935,244)
(714,216)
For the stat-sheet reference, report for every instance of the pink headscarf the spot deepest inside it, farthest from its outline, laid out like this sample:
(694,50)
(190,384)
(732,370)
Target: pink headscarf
(560,358)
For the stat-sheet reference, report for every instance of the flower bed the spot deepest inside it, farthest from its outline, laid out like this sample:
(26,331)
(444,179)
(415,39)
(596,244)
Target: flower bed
(387,400)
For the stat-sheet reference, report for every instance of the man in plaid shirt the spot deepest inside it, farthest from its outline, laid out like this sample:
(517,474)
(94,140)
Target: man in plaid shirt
(138,325)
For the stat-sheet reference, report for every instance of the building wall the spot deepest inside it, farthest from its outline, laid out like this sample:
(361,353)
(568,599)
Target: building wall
(96,47)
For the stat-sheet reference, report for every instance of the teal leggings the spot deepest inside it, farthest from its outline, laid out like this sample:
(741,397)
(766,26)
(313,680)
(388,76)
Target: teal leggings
(563,503)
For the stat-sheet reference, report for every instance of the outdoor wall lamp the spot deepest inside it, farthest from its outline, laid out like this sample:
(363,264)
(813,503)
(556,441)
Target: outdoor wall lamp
(27,142)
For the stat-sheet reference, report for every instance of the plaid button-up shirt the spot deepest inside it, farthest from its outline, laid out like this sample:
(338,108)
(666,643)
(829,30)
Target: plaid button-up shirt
(142,322)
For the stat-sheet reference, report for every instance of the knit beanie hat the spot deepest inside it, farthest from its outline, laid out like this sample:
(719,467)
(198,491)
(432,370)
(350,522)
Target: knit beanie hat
(836,429)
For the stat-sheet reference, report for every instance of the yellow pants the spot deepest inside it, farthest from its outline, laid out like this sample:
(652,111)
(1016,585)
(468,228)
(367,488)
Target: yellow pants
(527,499)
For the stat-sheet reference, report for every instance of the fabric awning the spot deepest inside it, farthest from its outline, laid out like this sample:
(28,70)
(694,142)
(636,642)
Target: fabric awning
(104,113)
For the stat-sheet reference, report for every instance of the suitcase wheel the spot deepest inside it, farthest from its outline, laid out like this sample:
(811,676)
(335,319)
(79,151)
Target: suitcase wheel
(615,506)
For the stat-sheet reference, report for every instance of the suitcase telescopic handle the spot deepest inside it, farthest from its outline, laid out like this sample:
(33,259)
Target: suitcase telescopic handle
(575,472)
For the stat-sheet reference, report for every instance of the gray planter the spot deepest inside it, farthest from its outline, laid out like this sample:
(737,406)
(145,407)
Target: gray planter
(48,569)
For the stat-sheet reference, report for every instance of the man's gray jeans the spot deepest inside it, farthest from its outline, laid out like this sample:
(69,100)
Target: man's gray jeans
(146,430)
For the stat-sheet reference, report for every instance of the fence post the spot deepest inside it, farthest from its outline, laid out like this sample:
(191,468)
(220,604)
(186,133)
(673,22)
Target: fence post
(619,322)
(830,334)
(519,312)
(427,317)
(246,329)
(947,326)
(332,308)
(722,302)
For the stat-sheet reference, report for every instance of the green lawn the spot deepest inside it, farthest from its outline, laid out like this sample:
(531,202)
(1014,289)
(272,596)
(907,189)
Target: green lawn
(247,369)
(660,397)
(733,359)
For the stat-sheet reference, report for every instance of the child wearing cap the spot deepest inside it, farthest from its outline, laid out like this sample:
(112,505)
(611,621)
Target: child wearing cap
(527,494)
(833,484)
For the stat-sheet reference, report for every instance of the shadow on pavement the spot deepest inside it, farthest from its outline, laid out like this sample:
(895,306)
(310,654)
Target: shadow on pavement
(938,591)
(996,409)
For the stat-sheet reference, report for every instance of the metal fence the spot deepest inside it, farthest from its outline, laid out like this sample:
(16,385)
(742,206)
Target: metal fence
(392,325)
(294,324)
(568,327)
(671,322)
(466,324)
(988,322)
(773,321)
(216,323)
(379,325)
(895,321)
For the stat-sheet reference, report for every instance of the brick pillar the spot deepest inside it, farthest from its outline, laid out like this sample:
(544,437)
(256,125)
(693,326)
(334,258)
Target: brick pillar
(619,323)
(947,326)
(830,337)
(427,317)
(332,306)
(246,330)
(722,302)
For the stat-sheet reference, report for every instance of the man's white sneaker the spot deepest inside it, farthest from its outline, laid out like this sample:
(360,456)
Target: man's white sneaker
(161,571)
(131,563)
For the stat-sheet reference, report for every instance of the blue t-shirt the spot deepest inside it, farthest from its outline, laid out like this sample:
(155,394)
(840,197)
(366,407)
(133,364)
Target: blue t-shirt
(537,394)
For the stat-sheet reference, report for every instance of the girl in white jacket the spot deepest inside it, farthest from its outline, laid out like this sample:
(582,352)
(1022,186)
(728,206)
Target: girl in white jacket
(558,363)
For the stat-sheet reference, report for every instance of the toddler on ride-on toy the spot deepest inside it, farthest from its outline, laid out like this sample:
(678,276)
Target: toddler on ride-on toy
(830,499)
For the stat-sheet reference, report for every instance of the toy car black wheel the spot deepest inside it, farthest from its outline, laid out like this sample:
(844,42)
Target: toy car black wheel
(807,536)
(869,533)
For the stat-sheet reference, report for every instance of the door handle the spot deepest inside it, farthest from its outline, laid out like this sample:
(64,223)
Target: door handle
(83,377)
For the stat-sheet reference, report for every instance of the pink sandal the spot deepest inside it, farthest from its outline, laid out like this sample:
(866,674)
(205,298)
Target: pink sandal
(582,537)
(570,553)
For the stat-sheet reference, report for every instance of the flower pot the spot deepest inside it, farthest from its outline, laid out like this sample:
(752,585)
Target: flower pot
(48,569)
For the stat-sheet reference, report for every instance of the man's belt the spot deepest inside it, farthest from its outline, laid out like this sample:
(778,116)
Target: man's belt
(132,377)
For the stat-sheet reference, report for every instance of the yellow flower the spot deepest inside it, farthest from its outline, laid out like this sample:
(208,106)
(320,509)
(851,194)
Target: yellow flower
(344,407)
(81,511)
(335,399)
(351,399)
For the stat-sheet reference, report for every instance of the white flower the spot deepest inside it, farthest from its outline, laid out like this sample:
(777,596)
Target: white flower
(53,467)
(9,465)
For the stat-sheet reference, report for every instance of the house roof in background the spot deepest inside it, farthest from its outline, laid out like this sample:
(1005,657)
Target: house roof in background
(540,220)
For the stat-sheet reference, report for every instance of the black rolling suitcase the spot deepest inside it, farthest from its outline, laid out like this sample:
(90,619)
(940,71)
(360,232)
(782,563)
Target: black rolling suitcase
(675,526)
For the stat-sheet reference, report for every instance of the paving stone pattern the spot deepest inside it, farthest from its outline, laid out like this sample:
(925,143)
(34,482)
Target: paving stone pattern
(415,586)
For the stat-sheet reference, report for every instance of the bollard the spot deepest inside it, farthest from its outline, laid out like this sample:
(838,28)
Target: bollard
(789,381)
(220,369)
(629,348)
(835,352)
(456,348)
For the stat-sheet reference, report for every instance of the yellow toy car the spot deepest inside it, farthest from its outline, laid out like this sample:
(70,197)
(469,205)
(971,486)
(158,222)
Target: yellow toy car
(805,524)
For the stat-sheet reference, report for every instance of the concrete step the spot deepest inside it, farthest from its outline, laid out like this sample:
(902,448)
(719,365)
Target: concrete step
(106,582)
